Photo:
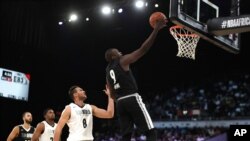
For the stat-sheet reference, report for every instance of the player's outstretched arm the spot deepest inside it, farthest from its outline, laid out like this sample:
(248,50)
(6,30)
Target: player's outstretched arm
(62,121)
(135,55)
(38,131)
(109,112)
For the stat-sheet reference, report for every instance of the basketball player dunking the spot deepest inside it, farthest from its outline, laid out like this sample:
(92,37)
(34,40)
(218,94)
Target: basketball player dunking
(130,108)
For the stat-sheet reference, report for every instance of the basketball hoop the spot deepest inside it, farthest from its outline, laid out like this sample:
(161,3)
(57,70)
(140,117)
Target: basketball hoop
(186,40)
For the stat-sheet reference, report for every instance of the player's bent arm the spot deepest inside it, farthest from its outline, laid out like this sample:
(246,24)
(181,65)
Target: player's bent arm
(62,121)
(13,134)
(38,131)
(101,113)
(135,55)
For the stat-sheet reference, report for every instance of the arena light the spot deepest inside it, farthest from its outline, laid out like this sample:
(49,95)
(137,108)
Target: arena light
(139,4)
(106,10)
(73,17)
(60,23)
(120,10)
(156,5)
(87,19)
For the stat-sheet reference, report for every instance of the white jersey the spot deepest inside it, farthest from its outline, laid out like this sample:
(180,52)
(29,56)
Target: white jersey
(80,123)
(48,133)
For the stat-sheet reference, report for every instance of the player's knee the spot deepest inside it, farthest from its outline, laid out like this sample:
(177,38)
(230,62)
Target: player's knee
(126,137)
(151,135)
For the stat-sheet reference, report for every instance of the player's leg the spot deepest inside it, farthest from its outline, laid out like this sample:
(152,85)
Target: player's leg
(125,120)
(142,119)
(151,135)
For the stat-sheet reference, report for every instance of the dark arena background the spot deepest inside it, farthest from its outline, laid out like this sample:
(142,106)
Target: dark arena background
(188,100)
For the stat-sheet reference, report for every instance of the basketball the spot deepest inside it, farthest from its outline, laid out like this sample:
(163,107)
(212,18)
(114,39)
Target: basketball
(156,16)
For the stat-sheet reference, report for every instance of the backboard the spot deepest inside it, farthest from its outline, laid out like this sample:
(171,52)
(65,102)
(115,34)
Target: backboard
(194,15)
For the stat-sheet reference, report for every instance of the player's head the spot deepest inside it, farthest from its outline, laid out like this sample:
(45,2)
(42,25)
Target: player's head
(76,92)
(112,54)
(27,117)
(49,114)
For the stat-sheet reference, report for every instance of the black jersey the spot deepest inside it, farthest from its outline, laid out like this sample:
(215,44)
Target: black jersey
(123,82)
(25,135)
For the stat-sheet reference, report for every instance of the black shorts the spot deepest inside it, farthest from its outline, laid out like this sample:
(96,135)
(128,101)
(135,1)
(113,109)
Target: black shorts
(132,111)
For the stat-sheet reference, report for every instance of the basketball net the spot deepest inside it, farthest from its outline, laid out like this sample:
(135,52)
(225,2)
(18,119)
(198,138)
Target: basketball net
(186,40)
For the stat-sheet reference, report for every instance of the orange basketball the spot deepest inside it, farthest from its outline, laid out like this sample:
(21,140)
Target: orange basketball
(156,16)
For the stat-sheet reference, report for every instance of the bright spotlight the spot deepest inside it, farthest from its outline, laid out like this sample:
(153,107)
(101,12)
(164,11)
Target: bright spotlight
(87,19)
(120,10)
(156,5)
(73,17)
(106,10)
(139,4)
(60,23)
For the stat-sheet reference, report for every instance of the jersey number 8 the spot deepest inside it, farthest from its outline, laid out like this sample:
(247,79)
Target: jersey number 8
(84,123)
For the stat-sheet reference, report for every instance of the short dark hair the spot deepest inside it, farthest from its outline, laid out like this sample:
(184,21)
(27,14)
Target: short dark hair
(108,54)
(72,90)
(24,113)
(46,111)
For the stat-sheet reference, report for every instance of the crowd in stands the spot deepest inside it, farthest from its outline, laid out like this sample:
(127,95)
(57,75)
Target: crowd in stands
(223,99)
